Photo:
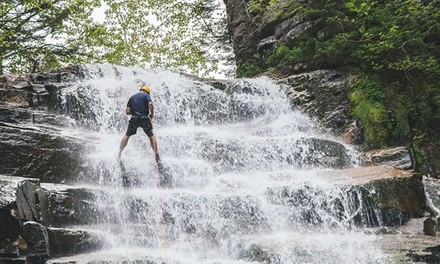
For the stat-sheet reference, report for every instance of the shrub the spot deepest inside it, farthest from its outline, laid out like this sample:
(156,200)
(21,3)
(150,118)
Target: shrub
(368,99)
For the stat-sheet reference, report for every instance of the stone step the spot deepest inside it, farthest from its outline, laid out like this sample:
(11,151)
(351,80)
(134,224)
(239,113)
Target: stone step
(49,241)
(368,196)
(397,194)
(62,205)
(391,195)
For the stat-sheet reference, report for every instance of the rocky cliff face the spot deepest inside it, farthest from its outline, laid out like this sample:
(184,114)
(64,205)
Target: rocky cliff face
(321,93)
(35,147)
(257,33)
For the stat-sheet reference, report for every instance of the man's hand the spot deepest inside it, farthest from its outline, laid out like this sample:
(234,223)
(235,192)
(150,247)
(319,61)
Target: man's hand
(128,111)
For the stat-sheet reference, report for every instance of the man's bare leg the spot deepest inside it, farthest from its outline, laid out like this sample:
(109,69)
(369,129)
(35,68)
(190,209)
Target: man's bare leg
(123,144)
(153,144)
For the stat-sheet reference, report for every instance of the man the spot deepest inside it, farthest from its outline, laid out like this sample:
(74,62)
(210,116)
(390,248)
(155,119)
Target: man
(141,108)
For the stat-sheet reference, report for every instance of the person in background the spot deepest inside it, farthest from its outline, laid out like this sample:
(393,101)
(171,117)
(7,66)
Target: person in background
(141,108)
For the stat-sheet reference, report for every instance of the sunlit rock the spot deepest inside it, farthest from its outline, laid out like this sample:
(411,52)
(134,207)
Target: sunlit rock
(398,157)
(397,194)
(411,248)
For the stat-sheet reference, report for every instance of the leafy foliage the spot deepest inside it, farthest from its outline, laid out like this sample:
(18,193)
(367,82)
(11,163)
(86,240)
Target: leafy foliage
(250,68)
(26,26)
(369,107)
(154,33)
(395,43)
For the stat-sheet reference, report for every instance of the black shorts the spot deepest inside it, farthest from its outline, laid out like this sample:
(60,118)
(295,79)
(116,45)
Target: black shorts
(143,123)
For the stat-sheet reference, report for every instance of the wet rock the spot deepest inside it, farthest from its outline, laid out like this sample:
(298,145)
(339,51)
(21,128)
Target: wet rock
(259,253)
(36,239)
(61,75)
(399,198)
(302,247)
(397,194)
(47,241)
(238,214)
(322,95)
(267,43)
(30,200)
(386,231)
(430,227)
(72,241)
(109,257)
(352,134)
(40,152)
(9,231)
(165,175)
(432,193)
(303,153)
(322,152)
(8,188)
(10,227)
(414,227)
(286,26)
(398,157)
(348,206)
(296,31)
(60,205)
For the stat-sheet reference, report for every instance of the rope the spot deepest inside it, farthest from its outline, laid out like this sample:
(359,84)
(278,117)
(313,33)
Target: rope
(162,219)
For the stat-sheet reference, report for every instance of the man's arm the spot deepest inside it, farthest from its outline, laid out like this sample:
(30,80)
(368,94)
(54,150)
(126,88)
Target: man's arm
(128,110)
(151,107)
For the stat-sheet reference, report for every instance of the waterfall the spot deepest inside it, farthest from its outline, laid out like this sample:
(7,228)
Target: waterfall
(242,170)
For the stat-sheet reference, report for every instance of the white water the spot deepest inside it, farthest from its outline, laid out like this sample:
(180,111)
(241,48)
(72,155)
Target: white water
(243,165)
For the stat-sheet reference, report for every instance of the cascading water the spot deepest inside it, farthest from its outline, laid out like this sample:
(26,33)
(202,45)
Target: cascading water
(243,186)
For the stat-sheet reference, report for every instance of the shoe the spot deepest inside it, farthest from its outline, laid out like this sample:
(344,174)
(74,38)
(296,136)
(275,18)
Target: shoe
(157,157)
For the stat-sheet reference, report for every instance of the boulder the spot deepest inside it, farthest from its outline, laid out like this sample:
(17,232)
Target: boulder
(397,157)
(63,241)
(10,227)
(42,241)
(36,238)
(432,193)
(430,227)
(61,205)
(397,194)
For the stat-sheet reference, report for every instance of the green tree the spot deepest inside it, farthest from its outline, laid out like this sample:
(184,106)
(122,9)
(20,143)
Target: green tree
(174,34)
(29,30)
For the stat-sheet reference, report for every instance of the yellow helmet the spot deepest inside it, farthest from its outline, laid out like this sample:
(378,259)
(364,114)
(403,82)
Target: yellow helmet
(146,89)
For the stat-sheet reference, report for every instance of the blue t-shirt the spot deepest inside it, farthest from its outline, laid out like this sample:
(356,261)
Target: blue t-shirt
(138,104)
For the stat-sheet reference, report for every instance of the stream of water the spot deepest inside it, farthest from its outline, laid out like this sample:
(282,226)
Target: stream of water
(241,167)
